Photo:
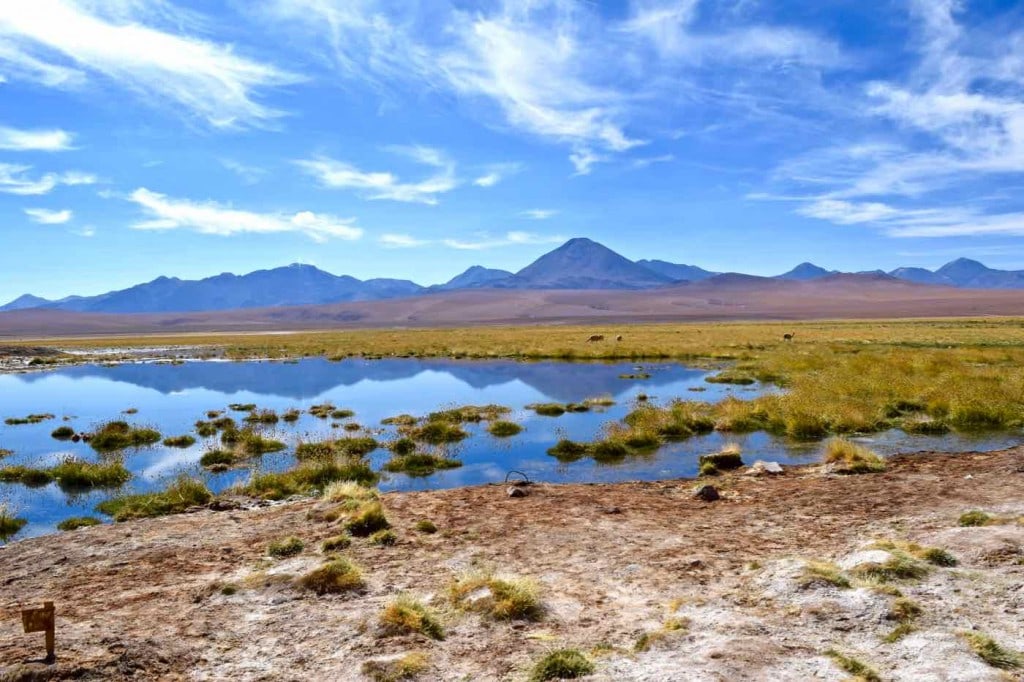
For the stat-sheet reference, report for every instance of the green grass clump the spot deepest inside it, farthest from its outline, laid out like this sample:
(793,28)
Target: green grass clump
(356,446)
(860,670)
(563,664)
(547,409)
(262,417)
(730,378)
(974,518)
(504,429)
(823,573)
(384,538)
(251,443)
(118,435)
(426,526)
(933,555)
(566,450)
(990,651)
(405,614)
(206,429)
(420,464)
(707,469)
(242,407)
(851,458)
(394,670)
(30,419)
(469,414)
(336,576)
(76,473)
(938,557)
(342,414)
(609,451)
(307,478)
(63,433)
(437,433)
(600,401)
(510,598)
(291,415)
(350,493)
(281,549)
(400,420)
(335,544)
(217,458)
(180,441)
(367,520)
(180,495)
(402,446)
(10,525)
(899,566)
(725,459)
(33,478)
(76,522)
(5,453)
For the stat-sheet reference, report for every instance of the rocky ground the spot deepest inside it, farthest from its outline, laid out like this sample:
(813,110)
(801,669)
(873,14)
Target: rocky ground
(710,590)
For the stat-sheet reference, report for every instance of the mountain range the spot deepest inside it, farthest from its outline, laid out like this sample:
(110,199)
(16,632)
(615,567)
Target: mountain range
(579,264)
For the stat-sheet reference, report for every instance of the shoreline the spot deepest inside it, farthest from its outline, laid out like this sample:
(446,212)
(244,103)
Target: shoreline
(611,559)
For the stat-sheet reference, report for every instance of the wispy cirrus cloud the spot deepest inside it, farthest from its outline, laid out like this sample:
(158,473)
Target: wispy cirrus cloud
(539,213)
(167,213)
(45,216)
(19,140)
(401,241)
(334,174)
(955,120)
(15,179)
(248,173)
(496,172)
(514,238)
(559,70)
(59,43)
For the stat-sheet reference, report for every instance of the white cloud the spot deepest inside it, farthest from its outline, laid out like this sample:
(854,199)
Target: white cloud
(249,174)
(583,160)
(646,161)
(39,38)
(400,241)
(510,239)
(385,185)
(955,120)
(165,213)
(13,139)
(14,180)
(85,232)
(539,213)
(45,216)
(497,172)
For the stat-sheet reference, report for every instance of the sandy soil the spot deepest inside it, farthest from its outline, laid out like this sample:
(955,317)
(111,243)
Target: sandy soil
(728,297)
(142,600)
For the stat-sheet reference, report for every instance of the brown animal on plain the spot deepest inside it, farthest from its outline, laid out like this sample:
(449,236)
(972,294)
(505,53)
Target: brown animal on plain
(619,337)
(787,337)
(596,337)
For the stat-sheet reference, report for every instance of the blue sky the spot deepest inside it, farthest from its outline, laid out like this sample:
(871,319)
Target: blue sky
(413,139)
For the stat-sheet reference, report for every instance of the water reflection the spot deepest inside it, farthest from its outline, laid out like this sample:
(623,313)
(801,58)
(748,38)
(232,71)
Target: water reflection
(171,397)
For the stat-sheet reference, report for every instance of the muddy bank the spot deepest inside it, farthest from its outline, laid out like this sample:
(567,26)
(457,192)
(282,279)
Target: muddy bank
(719,589)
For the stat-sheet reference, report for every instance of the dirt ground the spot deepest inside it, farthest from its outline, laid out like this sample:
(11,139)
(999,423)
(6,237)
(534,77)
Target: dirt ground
(143,600)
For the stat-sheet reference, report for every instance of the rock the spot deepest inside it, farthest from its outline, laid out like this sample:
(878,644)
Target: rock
(761,468)
(610,510)
(864,557)
(708,493)
(516,491)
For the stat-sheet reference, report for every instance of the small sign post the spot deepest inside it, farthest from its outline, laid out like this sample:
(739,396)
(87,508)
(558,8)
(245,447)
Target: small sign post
(42,620)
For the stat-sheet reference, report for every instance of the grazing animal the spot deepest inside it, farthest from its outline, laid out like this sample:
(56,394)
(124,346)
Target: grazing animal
(596,337)
(619,337)
(787,337)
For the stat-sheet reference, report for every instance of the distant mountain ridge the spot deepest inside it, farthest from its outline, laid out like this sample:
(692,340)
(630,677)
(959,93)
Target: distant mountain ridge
(579,263)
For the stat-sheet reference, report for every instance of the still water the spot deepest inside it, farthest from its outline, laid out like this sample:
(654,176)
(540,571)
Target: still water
(171,397)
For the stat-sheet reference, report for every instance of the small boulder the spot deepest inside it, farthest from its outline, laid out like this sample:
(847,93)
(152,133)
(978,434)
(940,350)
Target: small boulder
(762,468)
(708,493)
(516,491)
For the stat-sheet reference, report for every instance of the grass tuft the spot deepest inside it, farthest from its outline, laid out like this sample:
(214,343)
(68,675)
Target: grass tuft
(118,435)
(182,494)
(823,573)
(76,522)
(10,525)
(509,598)
(281,549)
(859,669)
(405,614)
(990,651)
(504,429)
(974,518)
(850,458)
(563,664)
(180,441)
(336,576)
(367,520)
